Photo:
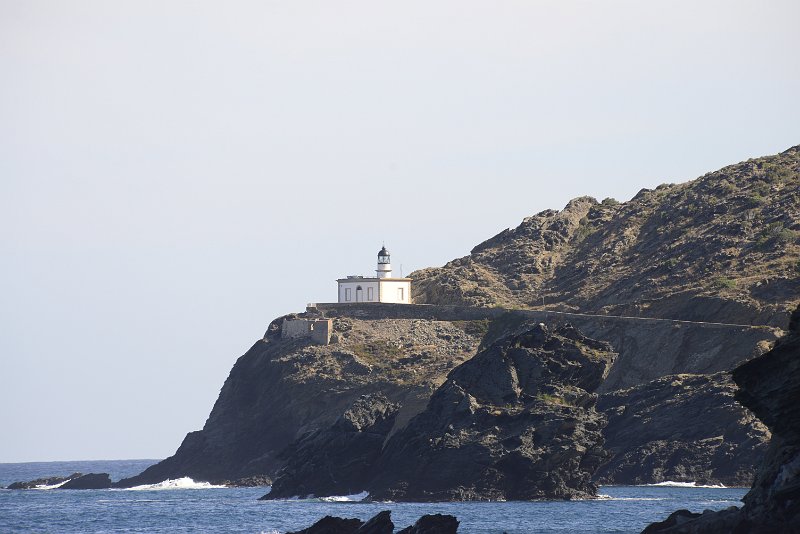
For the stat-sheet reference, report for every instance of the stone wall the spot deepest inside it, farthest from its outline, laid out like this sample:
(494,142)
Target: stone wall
(319,330)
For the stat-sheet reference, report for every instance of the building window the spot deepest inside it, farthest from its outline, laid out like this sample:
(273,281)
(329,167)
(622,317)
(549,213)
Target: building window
(400,294)
(347,294)
(369,293)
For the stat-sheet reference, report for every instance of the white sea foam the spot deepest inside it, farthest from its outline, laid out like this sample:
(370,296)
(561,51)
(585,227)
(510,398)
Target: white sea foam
(636,498)
(52,486)
(346,498)
(672,484)
(175,484)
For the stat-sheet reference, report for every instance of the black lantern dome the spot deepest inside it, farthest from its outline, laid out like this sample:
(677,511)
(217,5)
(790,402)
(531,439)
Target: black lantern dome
(383,255)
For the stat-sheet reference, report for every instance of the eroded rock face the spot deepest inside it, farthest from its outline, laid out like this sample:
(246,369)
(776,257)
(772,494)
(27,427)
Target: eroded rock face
(516,422)
(682,428)
(339,460)
(770,386)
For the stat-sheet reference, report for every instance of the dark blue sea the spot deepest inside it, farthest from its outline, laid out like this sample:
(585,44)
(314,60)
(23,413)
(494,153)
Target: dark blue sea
(185,506)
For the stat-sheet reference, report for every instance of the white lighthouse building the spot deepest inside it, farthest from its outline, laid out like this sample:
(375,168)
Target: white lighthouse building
(382,288)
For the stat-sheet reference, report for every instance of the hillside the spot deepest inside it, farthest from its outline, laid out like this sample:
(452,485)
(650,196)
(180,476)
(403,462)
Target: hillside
(724,248)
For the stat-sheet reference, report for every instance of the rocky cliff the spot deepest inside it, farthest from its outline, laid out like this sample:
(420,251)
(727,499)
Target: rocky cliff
(285,399)
(685,428)
(770,387)
(283,389)
(339,460)
(724,248)
(516,422)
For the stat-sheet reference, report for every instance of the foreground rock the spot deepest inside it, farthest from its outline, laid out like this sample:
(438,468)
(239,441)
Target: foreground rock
(770,386)
(47,481)
(90,481)
(516,422)
(682,428)
(382,524)
(433,524)
(339,460)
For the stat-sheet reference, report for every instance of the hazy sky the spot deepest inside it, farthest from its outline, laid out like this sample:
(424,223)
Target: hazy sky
(174,175)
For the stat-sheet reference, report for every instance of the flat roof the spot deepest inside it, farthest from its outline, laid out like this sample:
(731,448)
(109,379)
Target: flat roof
(374,279)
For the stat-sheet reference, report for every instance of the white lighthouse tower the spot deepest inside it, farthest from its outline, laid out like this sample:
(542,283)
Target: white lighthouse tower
(382,288)
(384,269)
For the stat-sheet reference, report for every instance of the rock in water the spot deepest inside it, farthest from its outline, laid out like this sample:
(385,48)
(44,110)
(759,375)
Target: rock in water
(684,428)
(331,525)
(47,481)
(770,386)
(339,460)
(90,481)
(433,524)
(380,524)
(516,422)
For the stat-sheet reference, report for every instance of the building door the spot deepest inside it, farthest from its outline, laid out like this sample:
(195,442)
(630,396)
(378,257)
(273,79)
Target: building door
(359,294)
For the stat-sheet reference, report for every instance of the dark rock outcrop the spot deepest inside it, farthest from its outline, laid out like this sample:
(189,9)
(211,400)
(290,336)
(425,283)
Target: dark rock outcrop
(331,525)
(339,460)
(683,428)
(382,524)
(516,422)
(433,524)
(47,481)
(770,386)
(90,481)
(248,482)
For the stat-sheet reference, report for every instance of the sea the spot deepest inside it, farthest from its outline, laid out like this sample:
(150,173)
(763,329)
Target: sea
(184,505)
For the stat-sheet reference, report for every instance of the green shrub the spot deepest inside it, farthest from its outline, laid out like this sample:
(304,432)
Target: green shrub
(722,282)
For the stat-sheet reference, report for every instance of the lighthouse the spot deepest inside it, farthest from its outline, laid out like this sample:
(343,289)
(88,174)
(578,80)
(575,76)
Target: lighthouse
(382,288)
(384,269)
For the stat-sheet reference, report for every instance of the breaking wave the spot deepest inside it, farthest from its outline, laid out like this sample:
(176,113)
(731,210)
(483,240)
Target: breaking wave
(672,484)
(175,484)
(53,486)
(356,497)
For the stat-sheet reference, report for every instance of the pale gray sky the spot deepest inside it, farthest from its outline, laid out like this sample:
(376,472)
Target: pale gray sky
(174,175)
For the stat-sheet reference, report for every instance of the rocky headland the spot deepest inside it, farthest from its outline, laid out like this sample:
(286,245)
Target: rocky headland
(284,389)
(683,284)
(770,387)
